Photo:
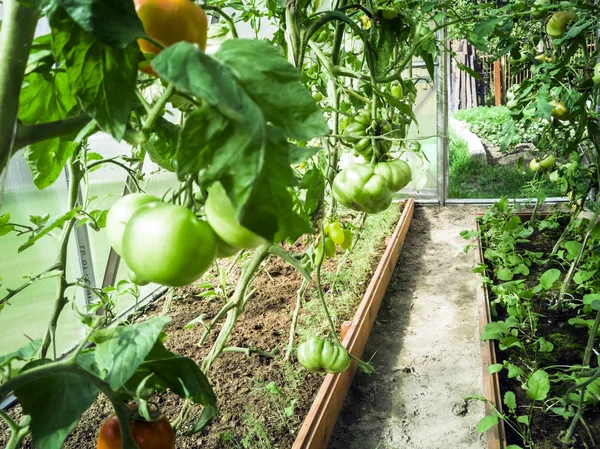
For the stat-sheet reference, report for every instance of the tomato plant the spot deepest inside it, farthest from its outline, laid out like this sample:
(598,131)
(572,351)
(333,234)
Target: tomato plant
(256,159)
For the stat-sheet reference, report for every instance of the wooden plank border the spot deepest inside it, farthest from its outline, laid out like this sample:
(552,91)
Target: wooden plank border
(496,437)
(320,420)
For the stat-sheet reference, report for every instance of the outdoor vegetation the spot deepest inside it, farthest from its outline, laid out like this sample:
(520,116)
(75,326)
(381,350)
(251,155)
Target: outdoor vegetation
(288,147)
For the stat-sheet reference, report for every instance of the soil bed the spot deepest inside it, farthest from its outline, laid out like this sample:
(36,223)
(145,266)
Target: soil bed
(569,344)
(262,401)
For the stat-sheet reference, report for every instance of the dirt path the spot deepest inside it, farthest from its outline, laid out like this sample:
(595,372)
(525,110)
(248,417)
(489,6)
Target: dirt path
(424,347)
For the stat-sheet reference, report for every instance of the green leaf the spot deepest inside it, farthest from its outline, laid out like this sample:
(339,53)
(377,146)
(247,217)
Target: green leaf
(495,330)
(313,182)
(203,131)
(170,371)
(504,274)
(590,298)
(487,423)
(103,78)
(5,227)
(573,247)
(191,70)
(23,354)
(538,385)
(121,350)
(514,371)
(113,22)
(55,403)
(581,276)
(495,368)
(548,279)
(513,446)
(545,345)
(510,400)
(274,85)
(162,144)
(55,223)
(523,419)
(46,97)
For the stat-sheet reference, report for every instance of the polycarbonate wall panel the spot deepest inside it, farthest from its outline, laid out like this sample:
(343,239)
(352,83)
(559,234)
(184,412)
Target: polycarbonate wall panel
(425,169)
(26,315)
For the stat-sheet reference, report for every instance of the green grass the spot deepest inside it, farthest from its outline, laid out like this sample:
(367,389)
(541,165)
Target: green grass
(470,178)
(346,286)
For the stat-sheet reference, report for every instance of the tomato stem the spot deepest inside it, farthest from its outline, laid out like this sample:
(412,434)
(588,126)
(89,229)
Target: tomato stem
(16,37)
(61,262)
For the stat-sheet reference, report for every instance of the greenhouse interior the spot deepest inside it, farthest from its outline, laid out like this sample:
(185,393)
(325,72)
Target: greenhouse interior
(300,224)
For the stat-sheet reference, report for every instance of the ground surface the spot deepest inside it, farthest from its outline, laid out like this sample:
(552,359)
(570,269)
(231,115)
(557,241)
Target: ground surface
(425,347)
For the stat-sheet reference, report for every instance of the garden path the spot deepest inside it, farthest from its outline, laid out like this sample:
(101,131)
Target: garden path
(424,346)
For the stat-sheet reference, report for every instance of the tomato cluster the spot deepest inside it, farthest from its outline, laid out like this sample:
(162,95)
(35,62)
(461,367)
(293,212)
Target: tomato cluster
(369,189)
(167,243)
(359,127)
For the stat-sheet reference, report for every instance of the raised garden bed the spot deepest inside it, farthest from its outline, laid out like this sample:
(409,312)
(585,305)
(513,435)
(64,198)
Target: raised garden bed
(263,401)
(513,367)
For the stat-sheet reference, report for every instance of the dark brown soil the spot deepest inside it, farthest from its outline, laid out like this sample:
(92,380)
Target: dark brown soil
(249,416)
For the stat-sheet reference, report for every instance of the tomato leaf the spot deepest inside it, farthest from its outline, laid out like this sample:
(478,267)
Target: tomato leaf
(274,85)
(121,350)
(55,403)
(113,22)
(55,223)
(23,354)
(162,144)
(191,70)
(102,77)
(44,98)
(179,374)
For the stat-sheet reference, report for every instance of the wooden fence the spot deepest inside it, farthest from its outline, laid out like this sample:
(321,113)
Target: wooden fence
(496,77)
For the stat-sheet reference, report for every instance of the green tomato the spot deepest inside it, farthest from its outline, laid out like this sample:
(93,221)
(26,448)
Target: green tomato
(220,214)
(554,176)
(359,188)
(548,162)
(363,116)
(347,243)
(120,214)
(559,110)
(511,104)
(534,165)
(397,91)
(318,97)
(336,232)
(318,355)
(167,244)
(538,13)
(133,277)
(389,14)
(396,172)
(596,75)
(557,25)
(329,247)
